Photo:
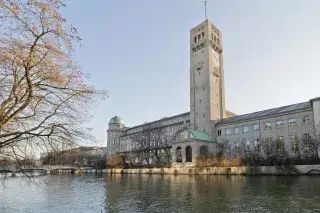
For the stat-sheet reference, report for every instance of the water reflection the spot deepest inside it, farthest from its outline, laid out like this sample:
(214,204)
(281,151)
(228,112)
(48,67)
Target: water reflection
(156,193)
(145,193)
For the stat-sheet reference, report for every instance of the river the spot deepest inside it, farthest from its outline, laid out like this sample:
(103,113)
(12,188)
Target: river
(155,193)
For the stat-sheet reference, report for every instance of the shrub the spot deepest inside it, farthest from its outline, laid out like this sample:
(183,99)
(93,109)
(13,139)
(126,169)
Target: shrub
(115,162)
(217,161)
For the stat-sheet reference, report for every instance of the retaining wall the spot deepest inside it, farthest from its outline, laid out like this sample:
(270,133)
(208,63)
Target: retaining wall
(244,170)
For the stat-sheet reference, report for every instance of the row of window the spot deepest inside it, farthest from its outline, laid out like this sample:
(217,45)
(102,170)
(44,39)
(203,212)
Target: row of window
(167,129)
(199,37)
(294,143)
(267,125)
(215,39)
(168,122)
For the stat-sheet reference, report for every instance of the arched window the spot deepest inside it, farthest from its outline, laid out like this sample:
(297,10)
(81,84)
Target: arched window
(188,154)
(204,150)
(184,135)
(179,154)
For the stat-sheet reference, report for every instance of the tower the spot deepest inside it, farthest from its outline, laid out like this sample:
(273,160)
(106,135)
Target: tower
(115,130)
(207,96)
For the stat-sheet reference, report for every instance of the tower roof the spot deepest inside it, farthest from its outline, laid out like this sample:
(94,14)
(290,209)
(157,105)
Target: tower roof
(116,120)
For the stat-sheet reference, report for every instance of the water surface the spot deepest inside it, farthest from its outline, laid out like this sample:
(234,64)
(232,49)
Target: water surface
(155,193)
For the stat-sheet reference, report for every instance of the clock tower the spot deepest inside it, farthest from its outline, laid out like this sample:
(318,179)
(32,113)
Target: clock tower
(207,96)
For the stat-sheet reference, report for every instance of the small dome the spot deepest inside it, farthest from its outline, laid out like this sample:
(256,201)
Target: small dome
(116,120)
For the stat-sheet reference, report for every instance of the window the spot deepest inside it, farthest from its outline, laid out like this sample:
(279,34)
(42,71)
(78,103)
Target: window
(256,127)
(219,132)
(281,143)
(195,39)
(228,131)
(200,101)
(228,149)
(306,136)
(294,143)
(256,142)
(237,148)
(306,119)
(204,115)
(218,41)
(202,88)
(215,38)
(184,135)
(204,130)
(246,129)
(236,130)
(267,125)
(199,73)
(211,36)
(292,122)
(279,124)
(247,144)
(202,34)
(196,87)
(281,138)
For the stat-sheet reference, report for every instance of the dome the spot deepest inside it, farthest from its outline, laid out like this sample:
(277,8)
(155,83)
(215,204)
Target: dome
(116,120)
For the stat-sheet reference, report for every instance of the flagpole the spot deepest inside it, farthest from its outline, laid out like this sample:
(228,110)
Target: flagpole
(205,9)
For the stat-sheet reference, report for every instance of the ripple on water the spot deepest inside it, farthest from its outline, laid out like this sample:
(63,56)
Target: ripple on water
(144,193)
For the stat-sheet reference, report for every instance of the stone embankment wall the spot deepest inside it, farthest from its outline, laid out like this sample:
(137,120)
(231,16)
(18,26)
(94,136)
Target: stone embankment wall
(244,170)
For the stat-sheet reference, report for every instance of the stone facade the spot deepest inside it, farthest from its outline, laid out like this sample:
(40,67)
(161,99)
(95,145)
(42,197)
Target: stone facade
(208,114)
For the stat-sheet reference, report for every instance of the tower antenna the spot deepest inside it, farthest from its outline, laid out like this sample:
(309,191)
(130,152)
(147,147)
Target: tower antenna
(205,9)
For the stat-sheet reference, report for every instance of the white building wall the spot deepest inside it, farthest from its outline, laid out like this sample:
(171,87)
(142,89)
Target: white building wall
(316,115)
(262,133)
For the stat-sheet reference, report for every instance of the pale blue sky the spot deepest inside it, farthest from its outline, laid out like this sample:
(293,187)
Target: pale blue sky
(139,51)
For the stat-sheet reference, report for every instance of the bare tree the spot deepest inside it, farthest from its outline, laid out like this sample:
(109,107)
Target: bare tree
(153,142)
(160,143)
(44,100)
(142,144)
(310,147)
(274,151)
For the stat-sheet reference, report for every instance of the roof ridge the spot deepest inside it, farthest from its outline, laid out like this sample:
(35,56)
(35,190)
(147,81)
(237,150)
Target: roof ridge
(267,112)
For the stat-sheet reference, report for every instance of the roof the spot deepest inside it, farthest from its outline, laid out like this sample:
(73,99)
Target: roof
(116,120)
(162,119)
(314,99)
(199,135)
(267,113)
(192,134)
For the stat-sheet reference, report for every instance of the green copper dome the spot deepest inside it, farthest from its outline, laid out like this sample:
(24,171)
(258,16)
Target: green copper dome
(116,120)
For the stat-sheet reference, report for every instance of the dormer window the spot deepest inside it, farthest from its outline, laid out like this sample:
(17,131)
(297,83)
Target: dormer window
(184,135)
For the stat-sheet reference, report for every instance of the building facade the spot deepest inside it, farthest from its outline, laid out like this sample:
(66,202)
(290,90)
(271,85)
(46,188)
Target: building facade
(208,124)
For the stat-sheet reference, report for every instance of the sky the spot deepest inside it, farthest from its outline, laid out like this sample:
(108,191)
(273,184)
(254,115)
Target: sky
(139,52)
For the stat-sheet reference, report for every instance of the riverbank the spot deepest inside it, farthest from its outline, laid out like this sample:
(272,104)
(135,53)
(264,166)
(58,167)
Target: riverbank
(242,170)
